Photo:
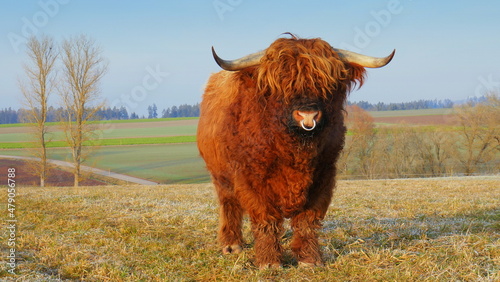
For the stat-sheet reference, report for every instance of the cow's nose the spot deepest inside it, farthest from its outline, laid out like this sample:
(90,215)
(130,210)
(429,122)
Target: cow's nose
(308,121)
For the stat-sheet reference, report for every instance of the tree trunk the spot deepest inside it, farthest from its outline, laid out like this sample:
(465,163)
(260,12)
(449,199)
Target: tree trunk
(77,174)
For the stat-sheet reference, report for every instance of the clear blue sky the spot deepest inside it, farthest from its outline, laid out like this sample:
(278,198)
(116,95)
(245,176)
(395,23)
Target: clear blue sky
(159,51)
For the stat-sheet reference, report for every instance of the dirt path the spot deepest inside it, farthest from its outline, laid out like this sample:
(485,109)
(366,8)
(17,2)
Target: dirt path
(123,177)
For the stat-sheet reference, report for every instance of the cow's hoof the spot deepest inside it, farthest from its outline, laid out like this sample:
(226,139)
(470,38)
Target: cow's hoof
(271,266)
(303,264)
(232,249)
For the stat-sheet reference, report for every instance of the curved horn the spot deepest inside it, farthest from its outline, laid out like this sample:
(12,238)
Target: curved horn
(238,64)
(363,60)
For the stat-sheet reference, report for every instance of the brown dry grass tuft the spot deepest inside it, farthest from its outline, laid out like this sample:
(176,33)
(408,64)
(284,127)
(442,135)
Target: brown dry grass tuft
(384,230)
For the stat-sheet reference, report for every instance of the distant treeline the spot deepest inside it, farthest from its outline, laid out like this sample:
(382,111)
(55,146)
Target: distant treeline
(182,111)
(416,105)
(9,115)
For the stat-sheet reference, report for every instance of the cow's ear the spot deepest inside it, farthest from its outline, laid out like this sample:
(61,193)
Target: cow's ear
(357,74)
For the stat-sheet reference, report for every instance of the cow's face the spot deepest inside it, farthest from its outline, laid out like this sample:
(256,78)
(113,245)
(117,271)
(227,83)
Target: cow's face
(303,76)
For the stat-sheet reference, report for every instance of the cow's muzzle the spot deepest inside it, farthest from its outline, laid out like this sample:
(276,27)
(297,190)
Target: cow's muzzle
(307,119)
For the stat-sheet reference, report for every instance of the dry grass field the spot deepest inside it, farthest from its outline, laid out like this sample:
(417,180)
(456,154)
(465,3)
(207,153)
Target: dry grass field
(380,230)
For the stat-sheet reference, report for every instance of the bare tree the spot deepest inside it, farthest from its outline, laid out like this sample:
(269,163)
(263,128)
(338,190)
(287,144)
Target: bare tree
(36,90)
(364,141)
(399,149)
(83,68)
(433,152)
(480,133)
(357,156)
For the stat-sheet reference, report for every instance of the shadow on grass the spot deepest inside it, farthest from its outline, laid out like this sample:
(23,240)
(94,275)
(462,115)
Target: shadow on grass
(344,233)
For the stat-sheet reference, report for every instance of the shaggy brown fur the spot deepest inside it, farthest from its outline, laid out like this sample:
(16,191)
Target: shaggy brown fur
(261,161)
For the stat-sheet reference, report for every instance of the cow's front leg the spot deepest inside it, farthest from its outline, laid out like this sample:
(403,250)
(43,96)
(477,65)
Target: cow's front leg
(305,245)
(267,222)
(306,224)
(231,216)
(267,234)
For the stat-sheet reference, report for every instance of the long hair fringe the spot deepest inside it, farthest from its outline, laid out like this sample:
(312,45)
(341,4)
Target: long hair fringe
(306,67)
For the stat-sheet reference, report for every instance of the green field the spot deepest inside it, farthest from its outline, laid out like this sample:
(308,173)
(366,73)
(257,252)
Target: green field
(162,163)
(110,133)
(162,150)
(173,163)
(146,120)
(154,131)
(104,121)
(108,142)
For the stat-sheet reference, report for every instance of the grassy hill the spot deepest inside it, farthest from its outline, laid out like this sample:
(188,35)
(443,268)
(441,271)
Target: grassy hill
(384,230)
